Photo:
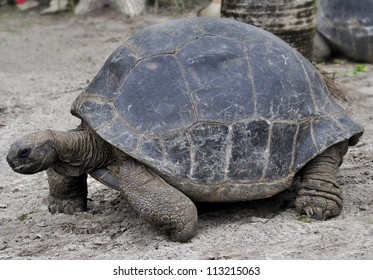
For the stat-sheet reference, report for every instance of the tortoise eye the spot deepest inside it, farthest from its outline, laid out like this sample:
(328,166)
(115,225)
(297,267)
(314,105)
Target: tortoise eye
(24,153)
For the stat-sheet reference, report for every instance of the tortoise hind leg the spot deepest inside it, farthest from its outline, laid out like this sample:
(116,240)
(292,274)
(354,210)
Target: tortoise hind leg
(319,196)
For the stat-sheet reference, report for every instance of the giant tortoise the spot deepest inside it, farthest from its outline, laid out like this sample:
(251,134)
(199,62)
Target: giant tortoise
(347,27)
(204,109)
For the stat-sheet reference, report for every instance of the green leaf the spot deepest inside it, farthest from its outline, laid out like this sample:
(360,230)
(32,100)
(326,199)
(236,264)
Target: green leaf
(25,216)
(361,68)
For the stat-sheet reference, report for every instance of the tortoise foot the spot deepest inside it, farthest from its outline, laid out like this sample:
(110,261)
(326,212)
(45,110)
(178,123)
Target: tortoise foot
(183,231)
(318,208)
(67,206)
(319,200)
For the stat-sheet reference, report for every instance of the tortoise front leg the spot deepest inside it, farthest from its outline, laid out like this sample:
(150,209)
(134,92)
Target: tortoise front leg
(154,199)
(319,196)
(66,194)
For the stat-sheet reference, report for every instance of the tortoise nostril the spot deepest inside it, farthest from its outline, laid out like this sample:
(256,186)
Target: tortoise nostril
(24,153)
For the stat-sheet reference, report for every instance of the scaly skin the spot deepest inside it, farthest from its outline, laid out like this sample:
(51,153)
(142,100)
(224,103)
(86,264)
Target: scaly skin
(319,196)
(158,202)
(155,200)
(67,194)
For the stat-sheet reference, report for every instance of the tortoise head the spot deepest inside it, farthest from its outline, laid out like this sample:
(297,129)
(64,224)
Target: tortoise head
(32,153)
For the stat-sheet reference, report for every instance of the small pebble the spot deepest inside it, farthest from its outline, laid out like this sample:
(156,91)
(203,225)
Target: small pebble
(42,224)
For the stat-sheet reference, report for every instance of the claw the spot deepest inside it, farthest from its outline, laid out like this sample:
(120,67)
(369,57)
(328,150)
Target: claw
(317,213)
(309,211)
(314,212)
(327,214)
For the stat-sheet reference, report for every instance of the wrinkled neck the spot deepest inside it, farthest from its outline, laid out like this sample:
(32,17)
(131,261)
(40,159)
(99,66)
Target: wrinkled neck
(80,152)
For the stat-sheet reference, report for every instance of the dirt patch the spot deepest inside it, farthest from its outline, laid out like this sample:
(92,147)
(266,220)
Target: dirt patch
(45,62)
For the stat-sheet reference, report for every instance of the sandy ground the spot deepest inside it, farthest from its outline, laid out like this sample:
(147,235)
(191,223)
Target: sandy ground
(45,62)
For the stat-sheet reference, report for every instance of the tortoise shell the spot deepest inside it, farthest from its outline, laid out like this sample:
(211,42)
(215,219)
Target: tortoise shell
(222,110)
(348,26)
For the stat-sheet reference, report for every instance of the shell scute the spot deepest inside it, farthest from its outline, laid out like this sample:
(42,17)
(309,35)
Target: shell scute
(327,132)
(113,73)
(155,99)
(163,38)
(348,27)
(305,145)
(249,150)
(177,151)
(279,81)
(209,141)
(281,151)
(214,68)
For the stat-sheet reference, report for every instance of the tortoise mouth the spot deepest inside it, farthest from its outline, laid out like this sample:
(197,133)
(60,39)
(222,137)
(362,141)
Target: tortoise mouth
(26,168)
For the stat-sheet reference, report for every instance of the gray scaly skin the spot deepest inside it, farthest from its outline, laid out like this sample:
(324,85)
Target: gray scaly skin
(69,156)
(319,196)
